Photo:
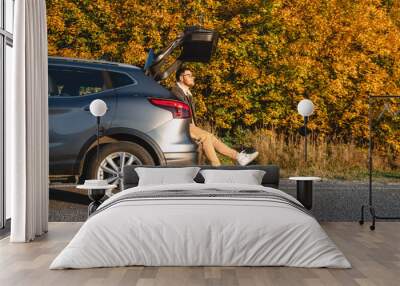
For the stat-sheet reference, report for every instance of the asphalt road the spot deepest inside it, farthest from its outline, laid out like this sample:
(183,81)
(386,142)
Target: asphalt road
(333,200)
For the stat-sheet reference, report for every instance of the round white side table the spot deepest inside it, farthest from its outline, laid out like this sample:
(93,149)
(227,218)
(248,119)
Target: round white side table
(95,194)
(305,190)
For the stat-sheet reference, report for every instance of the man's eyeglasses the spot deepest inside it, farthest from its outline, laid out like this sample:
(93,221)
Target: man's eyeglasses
(189,75)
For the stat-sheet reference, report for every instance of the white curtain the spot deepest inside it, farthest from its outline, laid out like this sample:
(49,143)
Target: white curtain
(27,124)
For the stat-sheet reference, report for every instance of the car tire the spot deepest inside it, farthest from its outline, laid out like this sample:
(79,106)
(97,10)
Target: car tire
(110,157)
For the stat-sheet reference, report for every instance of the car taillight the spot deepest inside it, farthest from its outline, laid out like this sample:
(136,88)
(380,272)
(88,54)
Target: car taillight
(179,109)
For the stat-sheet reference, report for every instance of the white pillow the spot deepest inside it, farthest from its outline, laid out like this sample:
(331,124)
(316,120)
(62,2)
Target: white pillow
(249,177)
(166,176)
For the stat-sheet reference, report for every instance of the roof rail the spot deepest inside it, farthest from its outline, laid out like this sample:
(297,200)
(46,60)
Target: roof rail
(93,61)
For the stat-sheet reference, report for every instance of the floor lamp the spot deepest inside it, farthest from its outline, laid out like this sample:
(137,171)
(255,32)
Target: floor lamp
(305,109)
(370,205)
(98,108)
(96,192)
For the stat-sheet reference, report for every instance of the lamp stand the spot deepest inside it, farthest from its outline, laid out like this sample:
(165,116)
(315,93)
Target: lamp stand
(98,138)
(305,138)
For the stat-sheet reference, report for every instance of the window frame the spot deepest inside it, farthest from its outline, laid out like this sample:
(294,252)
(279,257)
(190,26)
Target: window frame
(6,39)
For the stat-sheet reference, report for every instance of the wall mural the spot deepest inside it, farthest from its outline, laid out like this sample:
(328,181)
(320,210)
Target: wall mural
(219,83)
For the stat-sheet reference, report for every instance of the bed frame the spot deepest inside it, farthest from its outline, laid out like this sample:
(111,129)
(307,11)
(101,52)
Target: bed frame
(270,179)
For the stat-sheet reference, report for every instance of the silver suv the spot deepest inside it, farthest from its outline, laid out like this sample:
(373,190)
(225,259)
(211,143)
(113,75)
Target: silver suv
(144,124)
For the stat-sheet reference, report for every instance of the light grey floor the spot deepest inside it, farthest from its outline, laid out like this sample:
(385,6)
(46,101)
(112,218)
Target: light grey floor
(374,256)
(333,200)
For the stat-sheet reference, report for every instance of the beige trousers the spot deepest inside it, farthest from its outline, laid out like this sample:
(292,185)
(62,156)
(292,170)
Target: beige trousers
(210,144)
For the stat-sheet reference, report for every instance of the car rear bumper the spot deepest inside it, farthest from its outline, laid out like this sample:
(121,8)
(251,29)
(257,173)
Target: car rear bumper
(181,158)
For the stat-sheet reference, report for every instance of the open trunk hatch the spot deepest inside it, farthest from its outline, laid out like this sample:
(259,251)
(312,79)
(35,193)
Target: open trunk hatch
(196,44)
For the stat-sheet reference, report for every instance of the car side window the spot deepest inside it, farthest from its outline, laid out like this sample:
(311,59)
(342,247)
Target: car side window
(120,79)
(74,81)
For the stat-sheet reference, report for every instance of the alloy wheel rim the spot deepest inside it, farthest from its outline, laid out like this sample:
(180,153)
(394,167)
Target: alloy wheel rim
(111,168)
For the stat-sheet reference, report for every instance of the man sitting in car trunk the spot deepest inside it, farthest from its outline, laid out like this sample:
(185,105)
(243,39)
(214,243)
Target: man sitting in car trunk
(210,143)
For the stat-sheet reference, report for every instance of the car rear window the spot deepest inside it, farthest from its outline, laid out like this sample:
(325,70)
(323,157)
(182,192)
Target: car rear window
(120,79)
(74,81)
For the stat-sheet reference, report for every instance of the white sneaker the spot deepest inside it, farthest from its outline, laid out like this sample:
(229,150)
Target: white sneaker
(244,158)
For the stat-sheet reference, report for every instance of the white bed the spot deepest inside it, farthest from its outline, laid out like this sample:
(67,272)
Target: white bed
(185,230)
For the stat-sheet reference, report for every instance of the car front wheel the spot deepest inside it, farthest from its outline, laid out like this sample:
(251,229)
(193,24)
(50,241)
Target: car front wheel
(112,158)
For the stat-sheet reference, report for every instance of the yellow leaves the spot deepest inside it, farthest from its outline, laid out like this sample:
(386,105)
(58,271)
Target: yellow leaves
(56,23)
(246,71)
(235,23)
(337,90)
(249,119)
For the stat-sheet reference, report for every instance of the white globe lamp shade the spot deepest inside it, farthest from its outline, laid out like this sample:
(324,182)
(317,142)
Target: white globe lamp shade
(98,107)
(305,107)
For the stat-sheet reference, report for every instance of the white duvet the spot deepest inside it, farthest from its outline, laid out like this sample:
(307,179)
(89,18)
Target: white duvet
(200,231)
